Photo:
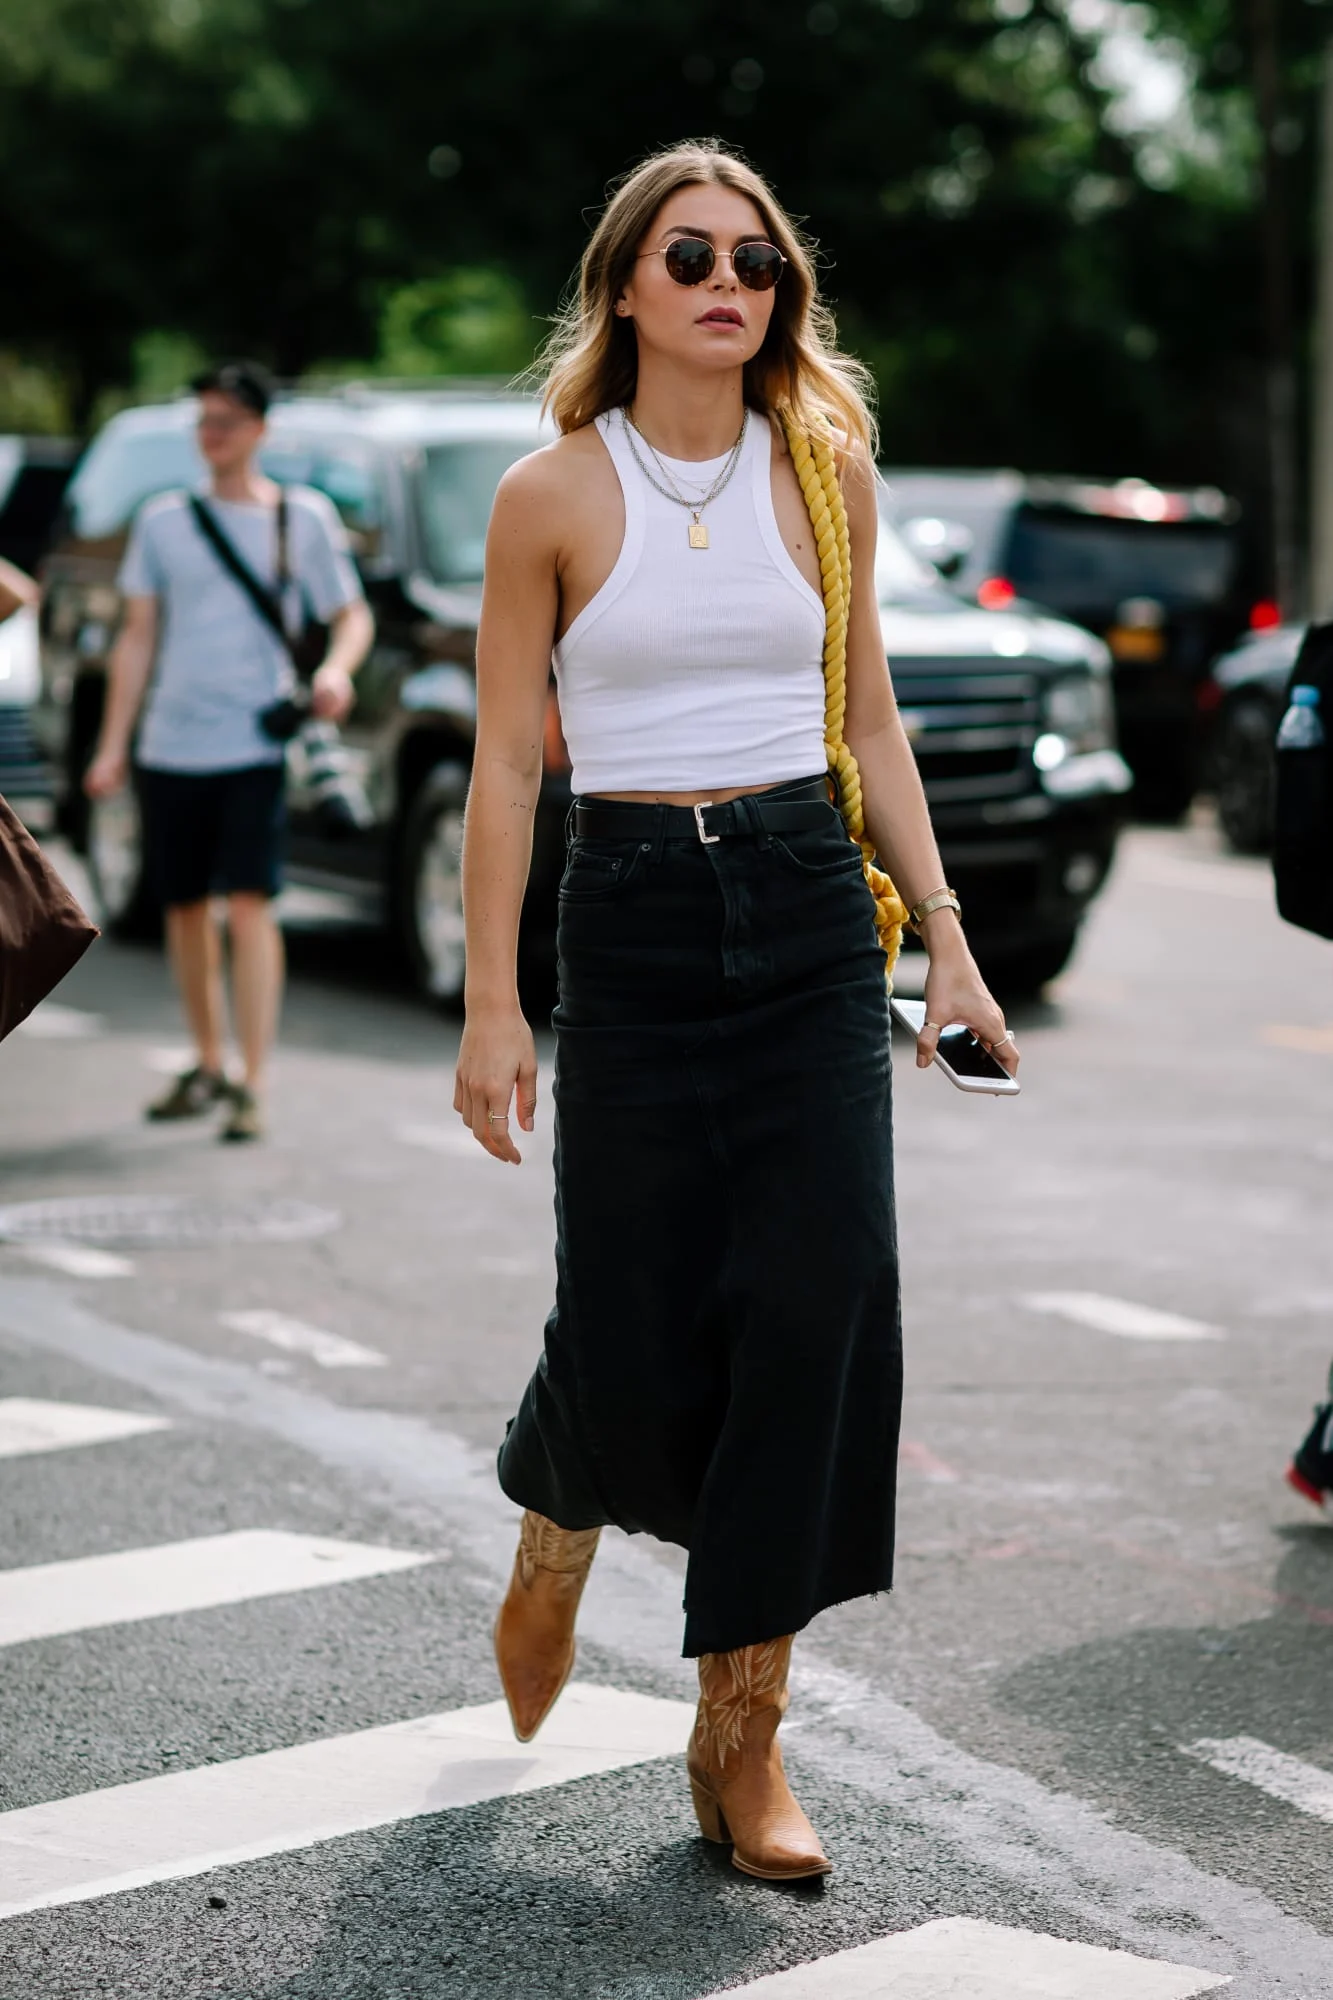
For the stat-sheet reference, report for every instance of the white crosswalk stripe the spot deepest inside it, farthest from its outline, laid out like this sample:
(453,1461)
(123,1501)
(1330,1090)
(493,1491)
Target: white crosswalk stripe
(1123,1317)
(28,1425)
(1305,1786)
(961,1958)
(296,1336)
(77,1260)
(189,1821)
(52,1022)
(50,1599)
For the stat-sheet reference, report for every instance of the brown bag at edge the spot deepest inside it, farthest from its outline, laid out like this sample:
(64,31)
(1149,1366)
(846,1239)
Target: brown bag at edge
(43,932)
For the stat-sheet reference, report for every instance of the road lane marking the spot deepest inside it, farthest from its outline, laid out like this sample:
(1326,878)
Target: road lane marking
(77,1260)
(169,1061)
(329,1350)
(53,1023)
(972,1960)
(1003,1824)
(1309,1041)
(456,1140)
(1304,1786)
(54,1598)
(187,1822)
(1250,885)
(28,1425)
(1120,1316)
(920,1458)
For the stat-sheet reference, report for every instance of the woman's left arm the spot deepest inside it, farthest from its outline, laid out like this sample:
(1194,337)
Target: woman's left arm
(897,817)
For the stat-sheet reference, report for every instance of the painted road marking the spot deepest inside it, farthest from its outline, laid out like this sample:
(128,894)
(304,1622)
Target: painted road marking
(169,1061)
(189,1821)
(53,1598)
(1120,1316)
(53,1023)
(453,1139)
(1309,1041)
(961,1958)
(77,1260)
(1304,1786)
(28,1425)
(330,1350)
(1252,885)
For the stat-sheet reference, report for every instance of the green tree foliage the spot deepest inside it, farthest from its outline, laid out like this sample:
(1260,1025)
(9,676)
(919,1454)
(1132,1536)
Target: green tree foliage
(408,184)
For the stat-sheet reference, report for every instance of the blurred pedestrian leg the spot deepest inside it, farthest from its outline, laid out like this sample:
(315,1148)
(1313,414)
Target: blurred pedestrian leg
(220,590)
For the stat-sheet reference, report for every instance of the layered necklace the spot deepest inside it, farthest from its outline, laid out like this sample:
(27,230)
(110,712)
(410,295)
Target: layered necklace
(698,530)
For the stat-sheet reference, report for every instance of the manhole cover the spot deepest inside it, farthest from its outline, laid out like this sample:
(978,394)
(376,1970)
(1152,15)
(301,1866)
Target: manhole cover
(148,1221)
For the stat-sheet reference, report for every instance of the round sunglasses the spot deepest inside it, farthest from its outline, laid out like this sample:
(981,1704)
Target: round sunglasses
(690,259)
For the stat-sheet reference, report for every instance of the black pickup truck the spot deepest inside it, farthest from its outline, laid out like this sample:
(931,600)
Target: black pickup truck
(1010,714)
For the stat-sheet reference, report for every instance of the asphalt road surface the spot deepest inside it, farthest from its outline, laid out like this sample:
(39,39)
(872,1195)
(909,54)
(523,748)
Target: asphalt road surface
(252,1544)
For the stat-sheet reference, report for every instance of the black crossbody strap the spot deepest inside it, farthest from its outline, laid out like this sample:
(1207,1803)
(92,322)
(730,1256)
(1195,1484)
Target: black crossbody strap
(265,602)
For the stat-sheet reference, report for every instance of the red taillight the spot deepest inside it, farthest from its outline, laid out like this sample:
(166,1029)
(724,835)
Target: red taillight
(996,593)
(555,756)
(1207,697)
(1265,616)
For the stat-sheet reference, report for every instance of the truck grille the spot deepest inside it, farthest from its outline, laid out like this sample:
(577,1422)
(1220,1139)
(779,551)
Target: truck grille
(972,728)
(22,770)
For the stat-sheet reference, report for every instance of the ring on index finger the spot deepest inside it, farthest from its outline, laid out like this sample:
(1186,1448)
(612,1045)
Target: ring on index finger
(497,1117)
(1007,1036)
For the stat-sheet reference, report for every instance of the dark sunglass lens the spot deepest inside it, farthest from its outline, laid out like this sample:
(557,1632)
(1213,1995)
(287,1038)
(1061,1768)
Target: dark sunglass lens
(758,265)
(689,260)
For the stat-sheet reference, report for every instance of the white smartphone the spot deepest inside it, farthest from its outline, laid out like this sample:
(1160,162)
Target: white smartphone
(959,1054)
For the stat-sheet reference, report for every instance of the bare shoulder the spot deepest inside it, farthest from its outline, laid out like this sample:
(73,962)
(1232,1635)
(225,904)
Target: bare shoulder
(554,472)
(860,485)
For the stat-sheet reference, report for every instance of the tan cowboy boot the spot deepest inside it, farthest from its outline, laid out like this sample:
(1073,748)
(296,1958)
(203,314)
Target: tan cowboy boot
(739,1787)
(534,1633)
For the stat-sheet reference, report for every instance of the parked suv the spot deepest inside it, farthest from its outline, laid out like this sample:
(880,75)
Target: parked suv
(413,477)
(1164,577)
(1248,691)
(1010,713)
(1011,717)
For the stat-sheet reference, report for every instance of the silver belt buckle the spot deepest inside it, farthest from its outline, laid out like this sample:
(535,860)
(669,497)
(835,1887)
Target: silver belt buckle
(706,838)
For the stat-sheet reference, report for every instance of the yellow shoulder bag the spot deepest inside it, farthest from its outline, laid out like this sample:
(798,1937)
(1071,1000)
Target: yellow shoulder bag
(817,470)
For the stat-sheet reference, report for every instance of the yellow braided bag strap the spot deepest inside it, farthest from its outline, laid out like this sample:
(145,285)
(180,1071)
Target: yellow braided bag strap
(817,470)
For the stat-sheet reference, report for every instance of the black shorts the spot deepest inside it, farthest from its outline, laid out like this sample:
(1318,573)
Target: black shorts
(210,833)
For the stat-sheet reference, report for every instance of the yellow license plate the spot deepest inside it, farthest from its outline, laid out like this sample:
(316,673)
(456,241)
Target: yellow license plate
(1136,642)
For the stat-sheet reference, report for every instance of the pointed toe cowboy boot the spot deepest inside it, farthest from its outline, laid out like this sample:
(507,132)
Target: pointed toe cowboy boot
(534,1633)
(739,1787)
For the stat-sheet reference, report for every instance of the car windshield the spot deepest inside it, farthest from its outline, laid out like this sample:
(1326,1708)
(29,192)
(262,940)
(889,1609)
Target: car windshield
(458,490)
(1081,564)
(898,574)
(122,469)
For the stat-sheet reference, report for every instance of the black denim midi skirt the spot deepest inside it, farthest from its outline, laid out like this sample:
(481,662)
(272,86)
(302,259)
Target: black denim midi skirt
(723,1365)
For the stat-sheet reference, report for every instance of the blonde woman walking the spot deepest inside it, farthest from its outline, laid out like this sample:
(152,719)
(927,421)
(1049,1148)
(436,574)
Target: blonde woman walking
(722,1368)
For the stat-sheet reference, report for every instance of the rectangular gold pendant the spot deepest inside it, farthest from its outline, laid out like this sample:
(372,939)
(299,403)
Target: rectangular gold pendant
(698,535)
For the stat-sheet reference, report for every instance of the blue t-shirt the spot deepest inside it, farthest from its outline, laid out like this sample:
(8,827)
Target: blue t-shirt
(218,662)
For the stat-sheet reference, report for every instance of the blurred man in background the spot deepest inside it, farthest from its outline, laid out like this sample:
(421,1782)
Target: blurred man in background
(207,663)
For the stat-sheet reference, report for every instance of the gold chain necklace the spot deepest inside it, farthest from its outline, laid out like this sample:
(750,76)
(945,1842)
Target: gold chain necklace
(698,530)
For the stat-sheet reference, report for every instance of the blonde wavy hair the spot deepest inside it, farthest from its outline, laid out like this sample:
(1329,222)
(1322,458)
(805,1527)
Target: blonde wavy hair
(590,362)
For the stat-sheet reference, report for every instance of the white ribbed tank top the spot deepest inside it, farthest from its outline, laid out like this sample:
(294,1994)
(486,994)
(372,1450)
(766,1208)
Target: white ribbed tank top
(695,669)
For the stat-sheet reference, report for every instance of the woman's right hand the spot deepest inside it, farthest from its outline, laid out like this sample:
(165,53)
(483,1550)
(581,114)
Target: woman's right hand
(497,1060)
(107,774)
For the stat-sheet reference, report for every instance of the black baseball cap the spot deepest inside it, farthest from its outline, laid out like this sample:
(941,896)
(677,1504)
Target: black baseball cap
(247,382)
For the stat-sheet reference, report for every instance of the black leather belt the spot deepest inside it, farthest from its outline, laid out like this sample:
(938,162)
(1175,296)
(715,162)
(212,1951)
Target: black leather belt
(751,816)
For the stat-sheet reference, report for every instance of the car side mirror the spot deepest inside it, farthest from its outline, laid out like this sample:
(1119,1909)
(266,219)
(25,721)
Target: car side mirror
(946,544)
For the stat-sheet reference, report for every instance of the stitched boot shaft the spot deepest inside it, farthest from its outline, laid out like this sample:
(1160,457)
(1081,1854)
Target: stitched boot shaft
(534,1633)
(739,1787)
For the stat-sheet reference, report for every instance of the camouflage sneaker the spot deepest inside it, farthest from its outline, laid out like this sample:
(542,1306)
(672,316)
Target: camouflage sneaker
(191,1095)
(247,1118)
